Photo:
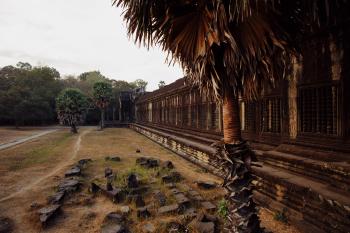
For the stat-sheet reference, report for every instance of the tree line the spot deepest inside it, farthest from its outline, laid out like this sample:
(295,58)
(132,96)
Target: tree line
(29,95)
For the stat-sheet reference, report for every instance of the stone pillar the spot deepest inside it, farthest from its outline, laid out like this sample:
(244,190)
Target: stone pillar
(337,62)
(292,96)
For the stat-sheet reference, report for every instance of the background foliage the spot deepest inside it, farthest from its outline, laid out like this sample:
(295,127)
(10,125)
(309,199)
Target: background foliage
(27,93)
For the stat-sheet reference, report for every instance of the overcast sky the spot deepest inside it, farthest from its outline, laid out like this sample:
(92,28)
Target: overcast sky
(75,36)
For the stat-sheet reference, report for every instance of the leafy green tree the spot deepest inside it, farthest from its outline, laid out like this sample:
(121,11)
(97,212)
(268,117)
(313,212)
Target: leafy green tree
(27,94)
(88,79)
(71,104)
(24,65)
(121,85)
(102,94)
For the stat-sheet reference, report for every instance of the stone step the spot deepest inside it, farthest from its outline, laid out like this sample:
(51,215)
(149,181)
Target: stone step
(336,174)
(202,137)
(316,202)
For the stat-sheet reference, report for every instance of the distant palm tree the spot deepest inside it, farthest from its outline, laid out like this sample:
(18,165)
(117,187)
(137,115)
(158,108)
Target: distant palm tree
(229,48)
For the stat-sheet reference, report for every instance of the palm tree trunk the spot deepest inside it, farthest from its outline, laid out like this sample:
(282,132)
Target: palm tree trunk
(235,157)
(102,123)
(231,121)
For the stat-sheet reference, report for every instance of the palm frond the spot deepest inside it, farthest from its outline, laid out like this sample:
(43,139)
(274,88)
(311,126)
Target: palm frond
(228,45)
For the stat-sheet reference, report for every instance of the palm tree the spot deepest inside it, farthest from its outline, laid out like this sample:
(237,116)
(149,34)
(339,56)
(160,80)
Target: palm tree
(102,94)
(230,49)
(71,104)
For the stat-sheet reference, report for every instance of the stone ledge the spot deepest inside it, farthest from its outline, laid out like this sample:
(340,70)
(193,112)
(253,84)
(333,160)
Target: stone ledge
(309,199)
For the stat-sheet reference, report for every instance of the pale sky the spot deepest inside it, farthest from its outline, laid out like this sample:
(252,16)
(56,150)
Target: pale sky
(76,36)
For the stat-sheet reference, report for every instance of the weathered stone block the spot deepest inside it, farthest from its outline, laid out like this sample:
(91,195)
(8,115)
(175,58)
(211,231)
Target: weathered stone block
(74,171)
(48,213)
(169,209)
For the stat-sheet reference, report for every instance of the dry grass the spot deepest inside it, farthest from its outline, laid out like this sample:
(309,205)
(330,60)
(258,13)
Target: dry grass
(81,213)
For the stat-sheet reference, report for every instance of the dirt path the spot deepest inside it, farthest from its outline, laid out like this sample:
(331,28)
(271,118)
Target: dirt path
(36,182)
(25,139)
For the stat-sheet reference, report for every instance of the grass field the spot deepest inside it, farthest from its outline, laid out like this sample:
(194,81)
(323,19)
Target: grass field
(30,172)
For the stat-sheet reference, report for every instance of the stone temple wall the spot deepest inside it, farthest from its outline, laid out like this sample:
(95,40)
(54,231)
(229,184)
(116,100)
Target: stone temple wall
(299,131)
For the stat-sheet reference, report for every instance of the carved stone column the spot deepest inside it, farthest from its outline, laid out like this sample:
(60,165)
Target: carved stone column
(292,96)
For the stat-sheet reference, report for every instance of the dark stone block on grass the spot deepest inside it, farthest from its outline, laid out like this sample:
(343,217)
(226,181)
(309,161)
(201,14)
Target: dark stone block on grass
(48,213)
(69,185)
(175,191)
(83,162)
(207,205)
(139,202)
(110,179)
(108,172)
(205,223)
(132,181)
(167,165)
(194,195)
(114,222)
(204,227)
(115,159)
(114,217)
(95,188)
(206,184)
(139,190)
(114,228)
(35,205)
(74,171)
(6,225)
(143,213)
(148,228)
(109,186)
(141,160)
(56,198)
(173,177)
(169,209)
(191,212)
(182,200)
(147,162)
(117,195)
(176,227)
(160,197)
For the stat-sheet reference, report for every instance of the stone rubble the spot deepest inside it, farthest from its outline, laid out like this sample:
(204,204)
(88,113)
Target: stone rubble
(159,197)
(205,223)
(56,198)
(74,171)
(143,213)
(47,213)
(173,177)
(114,223)
(207,205)
(6,225)
(148,228)
(132,181)
(206,184)
(169,209)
